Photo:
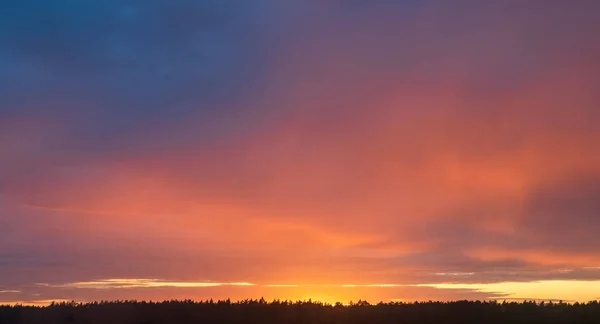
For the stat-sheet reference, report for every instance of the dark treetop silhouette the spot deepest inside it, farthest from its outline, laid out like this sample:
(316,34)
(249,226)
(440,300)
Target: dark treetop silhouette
(261,311)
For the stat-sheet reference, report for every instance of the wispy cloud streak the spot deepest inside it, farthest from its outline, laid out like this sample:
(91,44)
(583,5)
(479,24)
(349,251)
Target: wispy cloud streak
(142,283)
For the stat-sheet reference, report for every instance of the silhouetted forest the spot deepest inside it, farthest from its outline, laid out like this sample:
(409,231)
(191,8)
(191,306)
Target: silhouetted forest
(260,311)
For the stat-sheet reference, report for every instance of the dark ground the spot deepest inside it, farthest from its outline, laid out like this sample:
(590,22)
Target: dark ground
(259,311)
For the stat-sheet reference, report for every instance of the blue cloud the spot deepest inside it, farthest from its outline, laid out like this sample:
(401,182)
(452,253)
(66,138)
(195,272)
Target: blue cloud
(105,68)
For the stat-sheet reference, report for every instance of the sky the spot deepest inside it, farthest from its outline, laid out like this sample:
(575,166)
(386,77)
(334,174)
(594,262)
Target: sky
(333,150)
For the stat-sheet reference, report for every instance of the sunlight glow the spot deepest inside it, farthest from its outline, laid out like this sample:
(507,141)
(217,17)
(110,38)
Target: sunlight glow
(375,285)
(280,285)
(567,290)
(42,302)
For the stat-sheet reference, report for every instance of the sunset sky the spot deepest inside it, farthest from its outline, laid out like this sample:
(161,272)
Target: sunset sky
(324,149)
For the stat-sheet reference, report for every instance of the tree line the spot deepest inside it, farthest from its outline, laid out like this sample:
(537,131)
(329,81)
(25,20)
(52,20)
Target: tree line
(253,311)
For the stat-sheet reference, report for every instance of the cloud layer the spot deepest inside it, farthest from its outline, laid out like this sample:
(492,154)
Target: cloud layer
(298,145)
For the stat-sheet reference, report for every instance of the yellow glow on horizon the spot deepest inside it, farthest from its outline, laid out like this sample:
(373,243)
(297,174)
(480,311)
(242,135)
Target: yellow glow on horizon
(281,285)
(373,285)
(567,290)
(42,302)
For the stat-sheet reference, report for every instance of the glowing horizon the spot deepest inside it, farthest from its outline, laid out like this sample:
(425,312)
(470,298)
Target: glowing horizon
(544,290)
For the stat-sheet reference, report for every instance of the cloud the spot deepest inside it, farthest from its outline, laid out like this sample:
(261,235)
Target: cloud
(142,283)
(196,59)
(240,144)
(565,209)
